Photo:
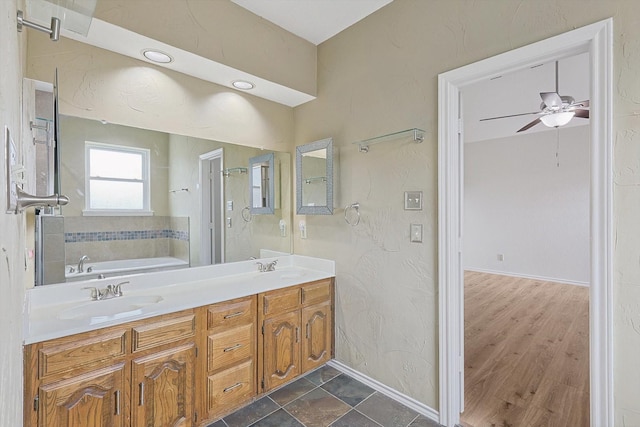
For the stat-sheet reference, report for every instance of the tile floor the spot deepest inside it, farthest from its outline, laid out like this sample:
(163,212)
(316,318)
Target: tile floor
(322,398)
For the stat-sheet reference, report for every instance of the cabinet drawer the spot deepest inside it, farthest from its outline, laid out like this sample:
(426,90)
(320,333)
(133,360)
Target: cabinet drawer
(281,301)
(231,387)
(230,314)
(162,332)
(316,292)
(228,347)
(72,352)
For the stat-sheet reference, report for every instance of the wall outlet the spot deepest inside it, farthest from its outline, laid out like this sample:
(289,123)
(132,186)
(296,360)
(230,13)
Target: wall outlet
(500,257)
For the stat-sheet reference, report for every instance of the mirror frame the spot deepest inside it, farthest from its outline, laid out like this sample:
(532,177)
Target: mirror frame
(270,208)
(327,144)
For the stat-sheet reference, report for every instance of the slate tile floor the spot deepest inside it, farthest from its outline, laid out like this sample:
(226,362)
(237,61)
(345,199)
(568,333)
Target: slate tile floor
(322,398)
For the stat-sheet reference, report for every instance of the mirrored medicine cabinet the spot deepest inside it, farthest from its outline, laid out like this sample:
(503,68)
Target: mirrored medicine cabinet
(314,178)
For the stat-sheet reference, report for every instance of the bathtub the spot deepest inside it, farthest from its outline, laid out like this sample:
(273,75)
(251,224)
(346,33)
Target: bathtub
(124,266)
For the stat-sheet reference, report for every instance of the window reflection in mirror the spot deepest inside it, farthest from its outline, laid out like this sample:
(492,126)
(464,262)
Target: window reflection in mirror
(314,178)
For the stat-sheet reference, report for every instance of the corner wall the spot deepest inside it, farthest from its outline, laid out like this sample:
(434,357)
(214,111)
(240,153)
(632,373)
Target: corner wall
(12,227)
(380,76)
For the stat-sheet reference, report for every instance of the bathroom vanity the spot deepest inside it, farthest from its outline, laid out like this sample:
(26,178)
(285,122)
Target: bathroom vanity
(175,351)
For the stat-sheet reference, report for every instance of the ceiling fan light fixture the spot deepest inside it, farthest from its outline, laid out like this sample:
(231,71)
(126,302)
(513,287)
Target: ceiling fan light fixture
(558,119)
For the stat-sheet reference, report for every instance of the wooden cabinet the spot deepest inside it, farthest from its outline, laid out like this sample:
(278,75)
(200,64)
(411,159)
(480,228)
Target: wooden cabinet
(149,373)
(297,331)
(162,388)
(281,354)
(137,374)
(94,399)
(317,342)
(231,355)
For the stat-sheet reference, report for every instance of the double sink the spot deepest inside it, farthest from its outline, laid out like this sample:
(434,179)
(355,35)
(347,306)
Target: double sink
(64,309)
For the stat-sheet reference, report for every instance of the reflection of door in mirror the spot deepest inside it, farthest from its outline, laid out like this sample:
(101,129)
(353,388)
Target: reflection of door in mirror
(212,215)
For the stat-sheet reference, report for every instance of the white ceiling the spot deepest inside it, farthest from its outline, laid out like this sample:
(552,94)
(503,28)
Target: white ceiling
(519,92)
(313,20)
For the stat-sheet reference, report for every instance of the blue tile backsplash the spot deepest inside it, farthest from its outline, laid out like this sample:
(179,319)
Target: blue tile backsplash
(107,236)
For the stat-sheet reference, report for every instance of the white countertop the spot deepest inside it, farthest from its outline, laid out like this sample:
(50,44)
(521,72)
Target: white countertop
(48,308)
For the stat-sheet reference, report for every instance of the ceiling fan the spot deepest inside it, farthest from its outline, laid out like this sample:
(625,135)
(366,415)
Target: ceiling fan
(555,110)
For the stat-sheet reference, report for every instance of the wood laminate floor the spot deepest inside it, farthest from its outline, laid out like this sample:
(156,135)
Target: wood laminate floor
(526,352)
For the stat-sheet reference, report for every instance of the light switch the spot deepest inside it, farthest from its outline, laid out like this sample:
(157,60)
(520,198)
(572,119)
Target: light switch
(416,233)
(303,229)
(229,205)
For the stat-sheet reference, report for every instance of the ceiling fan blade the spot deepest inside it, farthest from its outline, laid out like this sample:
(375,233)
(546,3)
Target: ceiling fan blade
(551,99)
(530,125)
(510,115)
(582,113)
(583,104)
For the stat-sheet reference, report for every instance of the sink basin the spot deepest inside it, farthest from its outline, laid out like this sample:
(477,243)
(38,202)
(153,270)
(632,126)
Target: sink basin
(114,308)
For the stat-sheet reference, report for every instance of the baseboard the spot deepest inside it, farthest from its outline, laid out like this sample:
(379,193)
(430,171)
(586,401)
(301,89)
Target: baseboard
(407,401)
(528,276)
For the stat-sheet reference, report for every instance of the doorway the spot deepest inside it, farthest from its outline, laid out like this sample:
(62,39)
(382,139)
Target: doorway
(526,249)
(596,39)
(211,208)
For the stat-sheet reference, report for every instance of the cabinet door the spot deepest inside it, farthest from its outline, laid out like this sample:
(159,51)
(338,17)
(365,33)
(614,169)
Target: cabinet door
(281,349)
(94,399)
(163,388)
(316,344)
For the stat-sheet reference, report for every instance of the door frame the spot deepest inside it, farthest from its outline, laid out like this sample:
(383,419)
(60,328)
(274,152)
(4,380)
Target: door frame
(206,255)
(597,39)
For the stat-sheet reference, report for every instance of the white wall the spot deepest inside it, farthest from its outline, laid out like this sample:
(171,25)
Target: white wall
(12,227)
(519,203)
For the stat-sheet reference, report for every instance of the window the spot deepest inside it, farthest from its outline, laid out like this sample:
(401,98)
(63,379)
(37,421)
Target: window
(117,180)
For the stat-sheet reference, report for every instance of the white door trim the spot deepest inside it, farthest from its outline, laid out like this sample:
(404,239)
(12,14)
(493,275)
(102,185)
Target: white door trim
(597,39)
(206,257)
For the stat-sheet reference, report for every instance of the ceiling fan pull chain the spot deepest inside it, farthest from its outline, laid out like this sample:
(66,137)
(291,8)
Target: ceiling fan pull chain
(557,147)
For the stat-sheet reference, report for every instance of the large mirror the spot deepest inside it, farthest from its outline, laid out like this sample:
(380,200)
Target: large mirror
(314,178)
(179,202)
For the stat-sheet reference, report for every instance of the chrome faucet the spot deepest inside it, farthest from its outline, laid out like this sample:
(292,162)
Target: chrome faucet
(264,267)
(83,258)
(100,294)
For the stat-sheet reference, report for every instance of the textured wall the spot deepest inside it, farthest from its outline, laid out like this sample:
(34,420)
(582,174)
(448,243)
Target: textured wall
(381,76)
(12,227)
(222,31)
(98,84)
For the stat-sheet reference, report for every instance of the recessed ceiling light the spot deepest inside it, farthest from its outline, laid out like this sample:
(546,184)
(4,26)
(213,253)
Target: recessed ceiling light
(243,85)
(157,56)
